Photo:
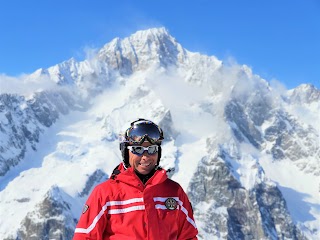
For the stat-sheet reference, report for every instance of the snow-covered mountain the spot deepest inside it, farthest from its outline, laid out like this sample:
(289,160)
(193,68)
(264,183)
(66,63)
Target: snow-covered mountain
(246,153)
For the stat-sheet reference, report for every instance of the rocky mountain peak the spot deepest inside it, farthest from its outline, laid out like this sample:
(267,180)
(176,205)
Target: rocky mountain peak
(50,219)
(305,93)
(141,50)
(151,34)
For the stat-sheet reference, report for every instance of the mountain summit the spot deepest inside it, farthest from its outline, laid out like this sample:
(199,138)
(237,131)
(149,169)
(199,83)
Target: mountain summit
(140,50)
(247,154)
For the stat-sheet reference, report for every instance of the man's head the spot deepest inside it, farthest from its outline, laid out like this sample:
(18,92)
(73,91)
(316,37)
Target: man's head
(143,158)
(141,145)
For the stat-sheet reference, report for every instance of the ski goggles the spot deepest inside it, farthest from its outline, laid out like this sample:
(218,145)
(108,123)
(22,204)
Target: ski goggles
(143,130)
(139,150)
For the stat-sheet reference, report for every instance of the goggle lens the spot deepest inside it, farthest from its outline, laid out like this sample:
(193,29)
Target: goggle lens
(139,150)
(140,133)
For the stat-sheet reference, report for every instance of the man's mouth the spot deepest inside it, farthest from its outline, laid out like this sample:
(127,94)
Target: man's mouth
(145,164)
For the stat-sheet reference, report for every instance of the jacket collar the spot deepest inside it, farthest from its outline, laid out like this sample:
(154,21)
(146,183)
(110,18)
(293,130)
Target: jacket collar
(129,177)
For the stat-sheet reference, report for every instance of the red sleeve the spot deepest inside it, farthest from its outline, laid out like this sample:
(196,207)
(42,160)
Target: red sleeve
(92,221)
(187,228)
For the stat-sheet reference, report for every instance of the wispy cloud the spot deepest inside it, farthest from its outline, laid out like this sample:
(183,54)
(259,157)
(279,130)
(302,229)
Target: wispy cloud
(24,84)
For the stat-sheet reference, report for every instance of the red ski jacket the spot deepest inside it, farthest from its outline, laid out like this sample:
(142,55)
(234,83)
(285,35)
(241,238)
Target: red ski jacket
(124,208)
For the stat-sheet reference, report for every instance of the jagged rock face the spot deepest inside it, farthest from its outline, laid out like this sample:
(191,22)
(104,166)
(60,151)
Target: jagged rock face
(50,220)
(140,50)
(23,120)
(244,126)
(304,94)
(284,137)
(292,141)
(277,223)
(233,212)
(18,126)
(284,133)
(97,177)
(248,111)
(166,125)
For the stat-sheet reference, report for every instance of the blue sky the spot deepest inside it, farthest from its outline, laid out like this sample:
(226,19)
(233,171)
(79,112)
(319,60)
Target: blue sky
(278,39)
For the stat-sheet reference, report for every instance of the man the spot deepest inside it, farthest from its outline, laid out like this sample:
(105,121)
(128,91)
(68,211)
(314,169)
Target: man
(139,201)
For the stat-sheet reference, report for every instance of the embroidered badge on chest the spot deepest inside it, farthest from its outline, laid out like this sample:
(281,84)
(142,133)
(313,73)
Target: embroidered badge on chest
(171,204)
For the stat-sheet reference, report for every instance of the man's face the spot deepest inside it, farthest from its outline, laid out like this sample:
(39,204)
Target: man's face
(144,163)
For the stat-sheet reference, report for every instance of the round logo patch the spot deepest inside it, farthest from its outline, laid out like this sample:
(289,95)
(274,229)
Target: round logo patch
(171,204)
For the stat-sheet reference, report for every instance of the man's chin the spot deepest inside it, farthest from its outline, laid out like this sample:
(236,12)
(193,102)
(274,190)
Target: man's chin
(144,169)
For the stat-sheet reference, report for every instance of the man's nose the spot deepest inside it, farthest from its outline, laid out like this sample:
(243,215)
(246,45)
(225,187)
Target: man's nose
(145,153)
